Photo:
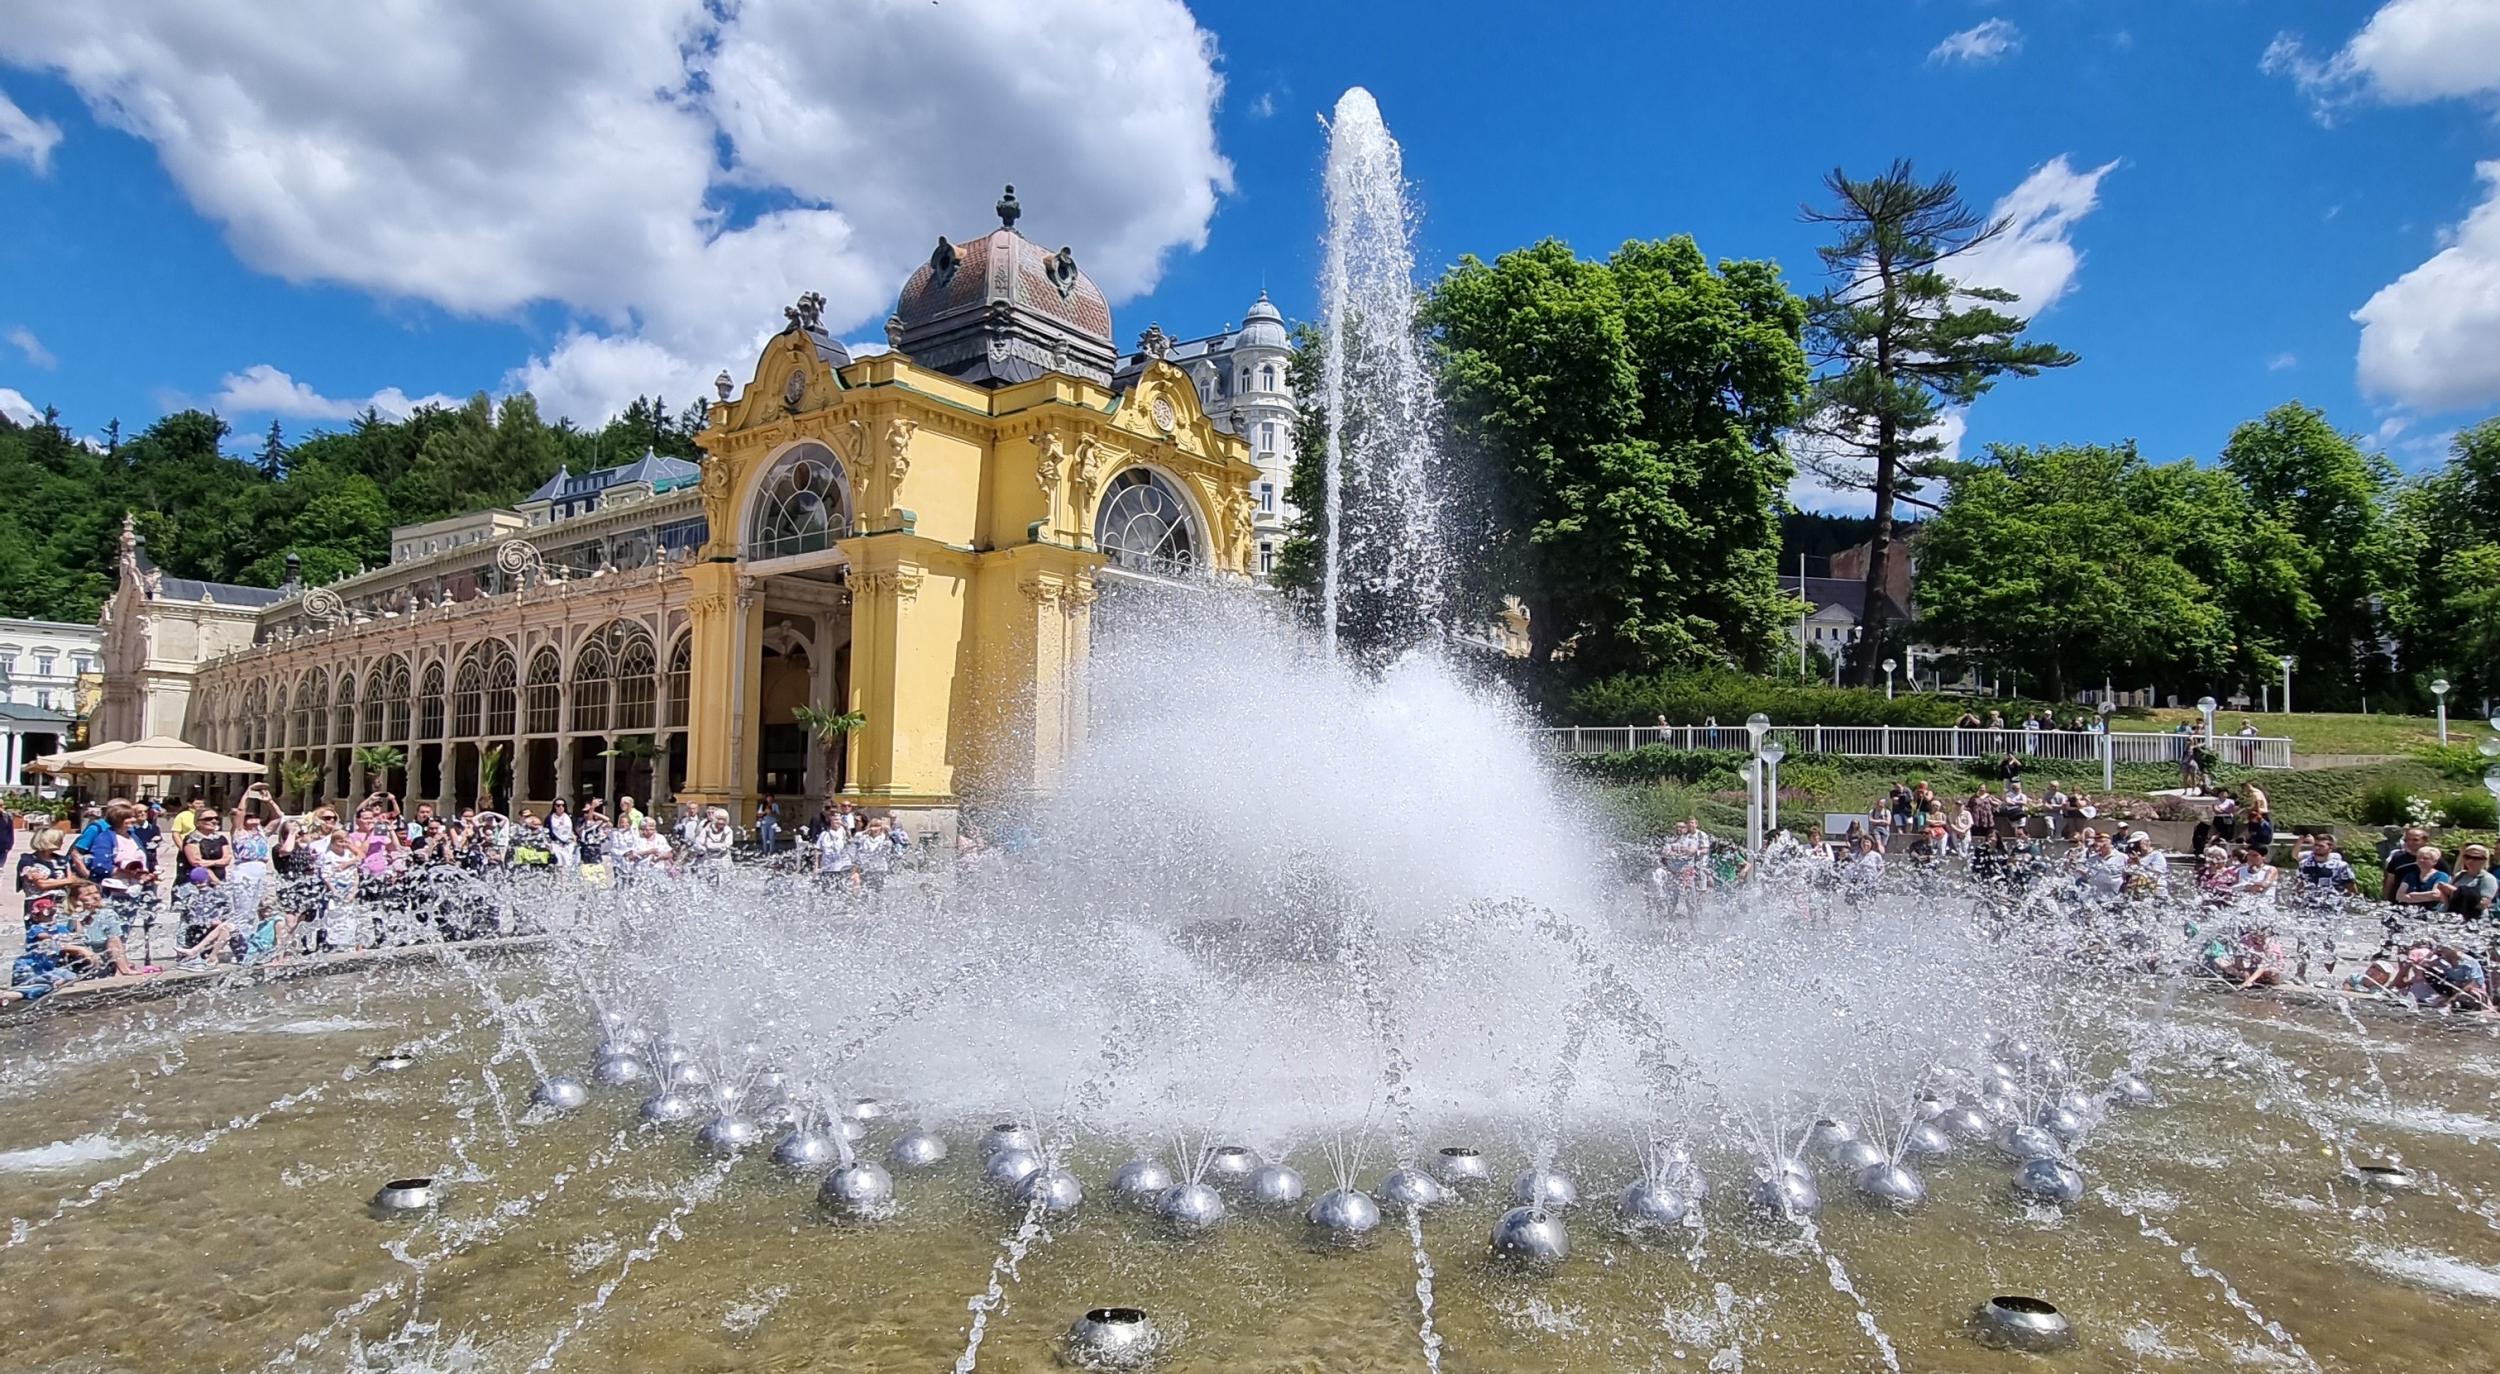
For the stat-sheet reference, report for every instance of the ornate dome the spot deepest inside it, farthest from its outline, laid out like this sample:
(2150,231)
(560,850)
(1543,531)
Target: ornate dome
(1263,327)
(1002,309)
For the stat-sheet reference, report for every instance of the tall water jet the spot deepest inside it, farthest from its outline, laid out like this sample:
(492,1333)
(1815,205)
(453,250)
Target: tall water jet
(1381,567)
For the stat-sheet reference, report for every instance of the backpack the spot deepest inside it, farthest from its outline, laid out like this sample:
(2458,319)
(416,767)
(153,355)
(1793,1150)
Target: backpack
(98,865)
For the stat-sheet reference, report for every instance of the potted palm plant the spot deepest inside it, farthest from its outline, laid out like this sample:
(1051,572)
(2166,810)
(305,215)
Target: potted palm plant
(830,729)
(382,763)
(489,772)
(297,778)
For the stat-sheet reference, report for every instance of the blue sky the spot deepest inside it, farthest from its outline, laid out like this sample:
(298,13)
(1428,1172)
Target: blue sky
(287,223)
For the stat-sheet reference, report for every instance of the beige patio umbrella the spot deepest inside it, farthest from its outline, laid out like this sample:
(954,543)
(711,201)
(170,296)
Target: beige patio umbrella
(153,755)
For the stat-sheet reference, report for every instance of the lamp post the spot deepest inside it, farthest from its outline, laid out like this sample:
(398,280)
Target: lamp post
(1772,752)
(1889,665)
(2286,661)
(2205,707)
(2109,758)
(2439,693)
(1757,725)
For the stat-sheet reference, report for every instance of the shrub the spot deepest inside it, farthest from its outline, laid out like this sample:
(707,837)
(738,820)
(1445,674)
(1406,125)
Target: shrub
(2388,802)
(2471,810)
(1657,763)
(1728,696)
(2455,762)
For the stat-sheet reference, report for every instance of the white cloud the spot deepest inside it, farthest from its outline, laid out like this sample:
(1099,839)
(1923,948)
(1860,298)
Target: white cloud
(1264,106)
(264,390)
(2431,338)
(2282,362)
(14,404)
(24,341)
(2411,51)
(609,159)
(2035,258)
(1980,44)
(26,138)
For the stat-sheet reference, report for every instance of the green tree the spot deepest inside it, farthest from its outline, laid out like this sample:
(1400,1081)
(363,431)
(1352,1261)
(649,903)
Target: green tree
(1899,339)
(1628,412)
(2447,529)
(2074,564)
(2298,468)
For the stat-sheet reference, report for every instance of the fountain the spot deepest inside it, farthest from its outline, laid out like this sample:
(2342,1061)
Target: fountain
(1297,913)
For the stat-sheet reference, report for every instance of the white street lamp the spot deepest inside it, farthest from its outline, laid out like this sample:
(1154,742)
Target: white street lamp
(2439,692)
(1889,665)
(1772,752)
(1757,725)
(2286,661)
(2109,756)
(2205,707)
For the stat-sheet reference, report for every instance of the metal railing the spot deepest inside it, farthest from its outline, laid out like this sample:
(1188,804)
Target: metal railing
(1938,742)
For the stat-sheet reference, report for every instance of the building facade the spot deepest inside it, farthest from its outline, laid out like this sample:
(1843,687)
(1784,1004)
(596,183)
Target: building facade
(1244,380)
(922,537)
(43,666)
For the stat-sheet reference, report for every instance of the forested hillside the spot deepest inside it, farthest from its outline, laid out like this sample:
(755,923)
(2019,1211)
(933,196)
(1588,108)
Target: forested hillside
(330,497)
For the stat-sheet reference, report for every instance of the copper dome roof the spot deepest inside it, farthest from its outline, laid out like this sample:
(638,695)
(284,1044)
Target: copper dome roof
(1001,309)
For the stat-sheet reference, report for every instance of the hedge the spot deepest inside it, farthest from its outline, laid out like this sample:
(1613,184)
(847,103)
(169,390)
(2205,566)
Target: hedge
(1690,698)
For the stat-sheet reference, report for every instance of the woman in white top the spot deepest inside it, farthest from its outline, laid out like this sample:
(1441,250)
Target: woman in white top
(560,835)
(647,852)
(834,863)
(713,837)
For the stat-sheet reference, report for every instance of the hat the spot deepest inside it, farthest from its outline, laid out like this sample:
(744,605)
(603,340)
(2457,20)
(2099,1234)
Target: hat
(198,875)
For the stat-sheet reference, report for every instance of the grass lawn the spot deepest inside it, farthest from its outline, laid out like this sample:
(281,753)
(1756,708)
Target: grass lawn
(2327,733)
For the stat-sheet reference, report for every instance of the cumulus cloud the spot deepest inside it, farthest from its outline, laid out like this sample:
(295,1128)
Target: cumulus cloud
(24,341)
(26,138)
(668,173)
(264,390)
(1979,44)
(2036,258)
(13,403)
(2431,338)
(2410,52)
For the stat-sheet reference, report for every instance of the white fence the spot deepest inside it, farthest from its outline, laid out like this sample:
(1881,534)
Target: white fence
(1943,742)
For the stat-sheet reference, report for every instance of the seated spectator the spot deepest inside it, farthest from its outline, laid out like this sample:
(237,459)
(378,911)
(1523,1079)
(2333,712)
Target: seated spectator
(2256,875)
(2472,887)
(2421,881)
(53,959)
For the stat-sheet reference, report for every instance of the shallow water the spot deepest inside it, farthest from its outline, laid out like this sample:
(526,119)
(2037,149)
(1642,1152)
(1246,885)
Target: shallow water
(146,1221)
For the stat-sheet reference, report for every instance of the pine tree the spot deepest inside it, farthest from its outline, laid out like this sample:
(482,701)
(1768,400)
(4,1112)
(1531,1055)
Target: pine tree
(273,453)
(1900,340)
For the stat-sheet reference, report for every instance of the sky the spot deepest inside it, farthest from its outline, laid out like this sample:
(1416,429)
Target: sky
(290,209)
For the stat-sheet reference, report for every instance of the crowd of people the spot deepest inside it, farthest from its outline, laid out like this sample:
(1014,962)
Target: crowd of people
(2247,919)
(250,883)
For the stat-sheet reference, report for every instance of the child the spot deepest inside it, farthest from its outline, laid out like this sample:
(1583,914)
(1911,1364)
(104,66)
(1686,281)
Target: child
(53,958)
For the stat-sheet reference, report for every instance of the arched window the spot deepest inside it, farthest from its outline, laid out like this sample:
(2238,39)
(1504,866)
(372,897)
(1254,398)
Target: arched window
(312,700)
(680,679)
(503,692)
(637,682)
(802,507)
(546,692)
(1145,524)
(1267,377)
(390,683)
(430,703)
(468,695)
(343,720)
(593,669)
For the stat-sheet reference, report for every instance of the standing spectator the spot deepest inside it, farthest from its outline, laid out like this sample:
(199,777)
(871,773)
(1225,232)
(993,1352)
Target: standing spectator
(833,855)
(1958,828)
(560,845)
(712,839)
(767,824)
(1983,819)
(874,853)
(2010,771)
(2260,818)
(185,821)
(689,826)
(208,851)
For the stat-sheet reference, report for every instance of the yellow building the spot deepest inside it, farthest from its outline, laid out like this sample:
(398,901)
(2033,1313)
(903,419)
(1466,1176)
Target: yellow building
(922,536)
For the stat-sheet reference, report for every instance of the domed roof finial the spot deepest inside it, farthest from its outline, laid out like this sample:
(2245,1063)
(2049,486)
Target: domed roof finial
(1008,210)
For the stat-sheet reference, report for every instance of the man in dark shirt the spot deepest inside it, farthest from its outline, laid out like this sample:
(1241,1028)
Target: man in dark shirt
(2401,865)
